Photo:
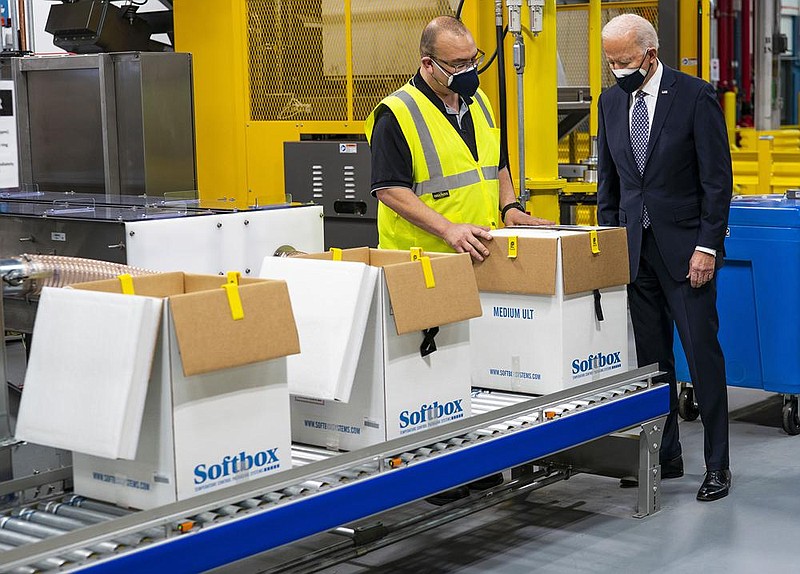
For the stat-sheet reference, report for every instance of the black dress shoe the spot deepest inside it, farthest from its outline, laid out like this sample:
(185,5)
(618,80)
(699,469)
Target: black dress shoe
(448,496)
(672,468)
(716,485)
(487,482)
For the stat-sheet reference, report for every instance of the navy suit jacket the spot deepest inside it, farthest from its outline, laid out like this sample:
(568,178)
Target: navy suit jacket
(687,182)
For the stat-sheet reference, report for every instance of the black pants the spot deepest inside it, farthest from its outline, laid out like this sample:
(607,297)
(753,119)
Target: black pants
(656,301)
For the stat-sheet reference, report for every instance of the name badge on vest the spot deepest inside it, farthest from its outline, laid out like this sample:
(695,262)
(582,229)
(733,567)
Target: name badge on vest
(440,194)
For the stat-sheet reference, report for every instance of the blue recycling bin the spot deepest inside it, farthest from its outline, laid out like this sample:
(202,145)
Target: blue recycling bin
(759,310)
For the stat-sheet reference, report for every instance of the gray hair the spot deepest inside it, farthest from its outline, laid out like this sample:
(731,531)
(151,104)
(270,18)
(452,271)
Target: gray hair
(642,29)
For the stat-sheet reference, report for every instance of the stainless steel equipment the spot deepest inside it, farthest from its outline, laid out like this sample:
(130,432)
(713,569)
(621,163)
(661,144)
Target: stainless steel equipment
(148,232)
(77,225)
(106,124)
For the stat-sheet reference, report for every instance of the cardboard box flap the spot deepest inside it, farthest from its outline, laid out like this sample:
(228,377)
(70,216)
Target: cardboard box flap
(209,339)
(355,255)
(193,283)
(160,285)
(88,372)
(584,270)
(384,257)
(532,271)
(415,307)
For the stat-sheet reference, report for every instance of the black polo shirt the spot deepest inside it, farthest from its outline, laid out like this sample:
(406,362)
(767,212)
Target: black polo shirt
(391,156)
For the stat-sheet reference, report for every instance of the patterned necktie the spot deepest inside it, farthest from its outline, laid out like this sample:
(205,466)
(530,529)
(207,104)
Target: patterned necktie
(640,127)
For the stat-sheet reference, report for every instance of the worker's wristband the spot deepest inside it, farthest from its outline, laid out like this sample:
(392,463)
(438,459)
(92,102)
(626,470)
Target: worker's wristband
(514,205)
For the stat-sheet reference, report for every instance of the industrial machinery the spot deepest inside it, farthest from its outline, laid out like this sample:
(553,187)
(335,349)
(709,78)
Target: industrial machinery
(151,233)
(46,528)
(335,175)
(308,72)
(89,26)
(106,124)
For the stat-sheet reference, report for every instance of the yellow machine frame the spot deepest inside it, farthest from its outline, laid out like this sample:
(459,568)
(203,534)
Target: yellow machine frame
(240,161)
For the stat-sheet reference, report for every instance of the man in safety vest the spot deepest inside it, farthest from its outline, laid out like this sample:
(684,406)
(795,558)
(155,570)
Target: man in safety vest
(437,168)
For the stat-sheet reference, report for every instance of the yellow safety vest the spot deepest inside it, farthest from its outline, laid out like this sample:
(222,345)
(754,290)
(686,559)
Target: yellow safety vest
(446,176)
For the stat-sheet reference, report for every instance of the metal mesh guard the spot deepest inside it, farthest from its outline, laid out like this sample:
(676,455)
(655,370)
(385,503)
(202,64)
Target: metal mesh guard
(298,53)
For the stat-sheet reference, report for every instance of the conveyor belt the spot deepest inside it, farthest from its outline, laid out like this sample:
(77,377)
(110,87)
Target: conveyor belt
(324,489)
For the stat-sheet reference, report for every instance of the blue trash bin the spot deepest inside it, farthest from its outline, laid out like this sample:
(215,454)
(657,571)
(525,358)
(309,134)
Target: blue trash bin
(758,312)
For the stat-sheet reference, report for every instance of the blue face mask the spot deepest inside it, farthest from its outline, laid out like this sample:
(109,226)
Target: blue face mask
(631,79)
(465,83)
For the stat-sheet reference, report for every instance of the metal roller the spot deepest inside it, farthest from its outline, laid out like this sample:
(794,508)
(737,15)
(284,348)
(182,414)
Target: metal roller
(17,539)
(69,524)
(42,531)
(84,514)
(83,502)
(45,564)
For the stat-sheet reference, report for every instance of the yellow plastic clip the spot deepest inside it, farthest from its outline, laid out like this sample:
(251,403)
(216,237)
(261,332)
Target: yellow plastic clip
(416,253)
(234,301)
(594,241)
(337,253)
(126,283)
(427,271)
(233,277)
(513,244)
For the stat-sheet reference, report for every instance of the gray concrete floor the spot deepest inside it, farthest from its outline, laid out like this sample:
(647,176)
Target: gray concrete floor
(586,524)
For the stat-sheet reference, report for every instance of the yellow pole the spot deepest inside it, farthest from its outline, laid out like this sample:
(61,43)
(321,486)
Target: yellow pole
(764,165)
(541,123)
(687,37)
(348,58)
(705,56)
(730,116)
(595,61)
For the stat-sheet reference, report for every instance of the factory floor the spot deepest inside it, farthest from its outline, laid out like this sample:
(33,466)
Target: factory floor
(586,523)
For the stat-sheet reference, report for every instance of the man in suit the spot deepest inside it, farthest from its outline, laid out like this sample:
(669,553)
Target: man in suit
(665,174)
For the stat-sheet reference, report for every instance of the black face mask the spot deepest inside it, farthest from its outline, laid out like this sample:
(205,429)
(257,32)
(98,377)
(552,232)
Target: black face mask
(465,83)
(632,79)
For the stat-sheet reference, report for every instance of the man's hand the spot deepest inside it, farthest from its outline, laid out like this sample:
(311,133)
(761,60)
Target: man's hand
(701,268)
(465,238)
(517,217)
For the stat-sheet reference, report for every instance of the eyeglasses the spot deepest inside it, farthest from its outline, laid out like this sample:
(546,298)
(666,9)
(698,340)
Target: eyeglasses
(461,65)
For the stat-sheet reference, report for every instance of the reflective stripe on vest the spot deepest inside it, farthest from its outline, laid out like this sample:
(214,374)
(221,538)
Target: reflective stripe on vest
(486,113)
(446,176)
(428,149)
(437,181)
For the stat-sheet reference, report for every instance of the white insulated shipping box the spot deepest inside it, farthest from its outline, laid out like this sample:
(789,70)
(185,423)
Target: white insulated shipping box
(187,400)
(361,377)
(554,309)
